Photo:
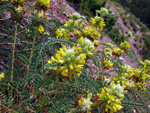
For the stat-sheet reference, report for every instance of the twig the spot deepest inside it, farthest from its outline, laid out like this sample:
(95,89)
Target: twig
(13,53)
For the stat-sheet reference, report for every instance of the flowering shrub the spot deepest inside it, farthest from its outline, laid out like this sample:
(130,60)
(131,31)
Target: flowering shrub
(52,72)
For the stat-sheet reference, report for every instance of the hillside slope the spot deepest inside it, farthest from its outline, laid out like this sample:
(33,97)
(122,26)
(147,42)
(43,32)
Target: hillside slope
(61,9)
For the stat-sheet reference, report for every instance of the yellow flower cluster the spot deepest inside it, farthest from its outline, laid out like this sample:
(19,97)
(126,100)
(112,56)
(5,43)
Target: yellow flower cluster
(2,76)
(103,11)
(111,97)
(107,52)
(74,23)
(86,46)
(70,60)
(117,52)
(132,77)
(76,16)
(141,75)
(18,2)
(91,32)
(109,100)
(77,21)
(125,45)
(107,63)
(19,9)
(39,13)
(96,42)
(126,77)
(146,66)
(122,79)
(41,7)
(97,22)
(62,33)
(42,4)
(85,103)
(18,5)
(129,34)
(140,78)
(73,59)
(127,71)
(40,29)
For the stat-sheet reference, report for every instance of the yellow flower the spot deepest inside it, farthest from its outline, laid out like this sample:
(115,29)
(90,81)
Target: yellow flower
(77,33)
(129,34)
(71,60)
(76,16)
(86,103)
(91,32)
(104,11)
(146,66)
(141,86)
(96,42)
(97,22)
(43,4)
(40,13)
(117,52)
(77,23)
(18,2)
(97,11)
(107,52)
(107,63)
(40,29)
(62,33)
(125,45)
(2,76)
(87,46)
(19,9)
(110,97)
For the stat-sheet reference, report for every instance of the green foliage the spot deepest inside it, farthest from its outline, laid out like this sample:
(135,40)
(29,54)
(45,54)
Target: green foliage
(125,20)
(114,34)
(88,7)
(146,38)
(133,25)
(110,21)
(140,8)
(36,87)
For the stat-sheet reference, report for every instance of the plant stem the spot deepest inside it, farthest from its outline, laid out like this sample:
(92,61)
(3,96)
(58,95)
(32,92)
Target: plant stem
(30,60)
(13,54)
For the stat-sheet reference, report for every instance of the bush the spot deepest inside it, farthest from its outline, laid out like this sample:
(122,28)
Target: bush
(110,21)
(114,34)
(88,7)
(146,38)
(125,21)
(133,25)
(49,71)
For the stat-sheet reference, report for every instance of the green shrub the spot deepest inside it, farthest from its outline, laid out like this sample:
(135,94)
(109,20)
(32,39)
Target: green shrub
(110,21)
(144,28)
(125,21)
(146,38)
(114,34)
(133,25)
(88,7)
(136,38)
